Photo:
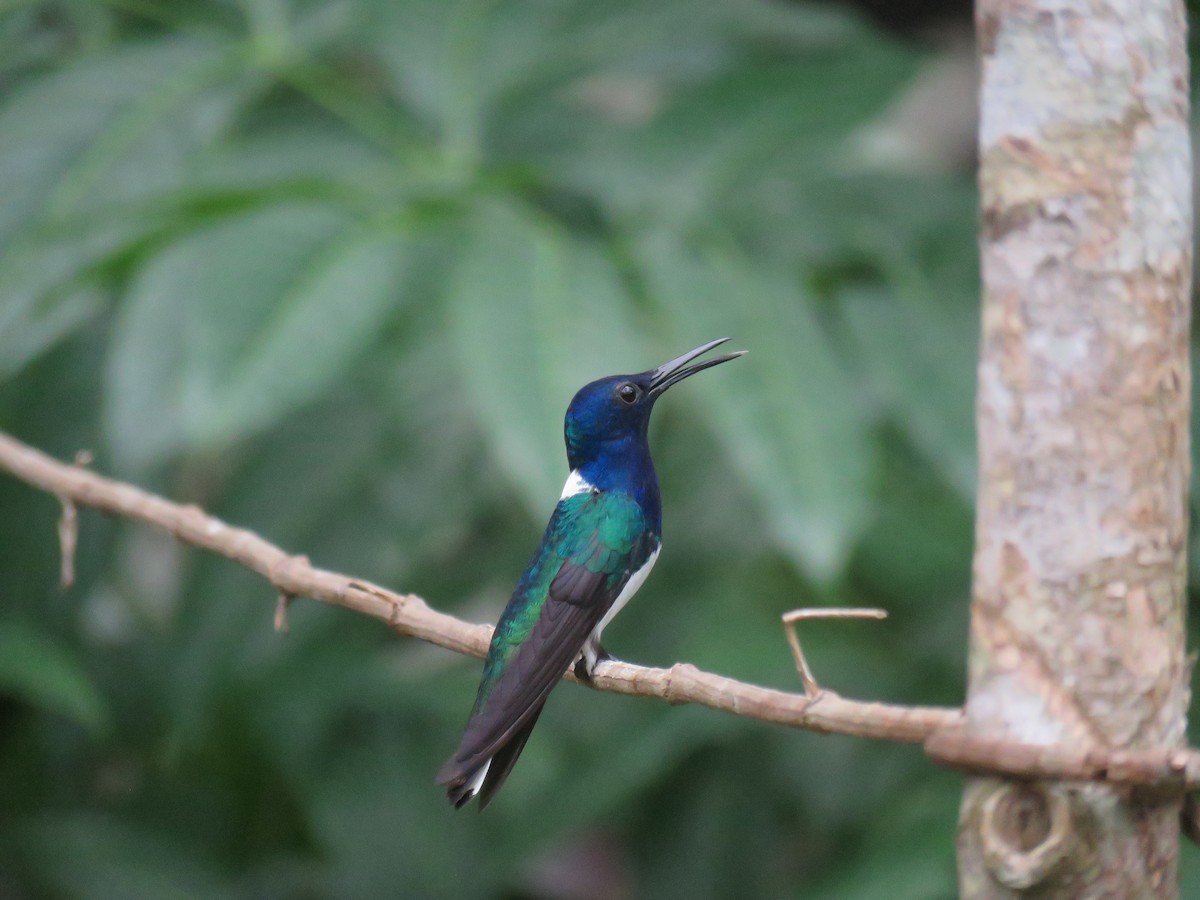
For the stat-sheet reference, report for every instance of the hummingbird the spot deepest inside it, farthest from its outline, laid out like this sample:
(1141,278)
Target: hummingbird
(600,544)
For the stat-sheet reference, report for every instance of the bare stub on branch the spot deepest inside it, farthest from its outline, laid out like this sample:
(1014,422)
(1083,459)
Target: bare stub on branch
(68,527)
(1077,628)
(811,687)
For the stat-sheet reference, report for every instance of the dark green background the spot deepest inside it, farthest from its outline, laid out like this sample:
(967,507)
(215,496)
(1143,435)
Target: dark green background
(333,270)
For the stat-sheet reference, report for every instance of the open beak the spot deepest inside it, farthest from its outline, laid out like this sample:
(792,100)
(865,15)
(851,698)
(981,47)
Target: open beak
(678,369)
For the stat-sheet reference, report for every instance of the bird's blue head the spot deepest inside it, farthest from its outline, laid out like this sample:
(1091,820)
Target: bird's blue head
(608,419)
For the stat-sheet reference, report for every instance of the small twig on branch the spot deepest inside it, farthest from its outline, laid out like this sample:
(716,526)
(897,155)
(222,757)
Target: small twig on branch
(68,528)
(68,539)
(294,576)
(281,610)
(811,688)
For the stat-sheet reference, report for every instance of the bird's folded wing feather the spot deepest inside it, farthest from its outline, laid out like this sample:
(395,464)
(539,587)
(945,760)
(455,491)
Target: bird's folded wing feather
(595,564)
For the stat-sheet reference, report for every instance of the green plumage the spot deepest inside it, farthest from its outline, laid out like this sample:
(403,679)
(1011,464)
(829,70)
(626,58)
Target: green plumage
(598,532)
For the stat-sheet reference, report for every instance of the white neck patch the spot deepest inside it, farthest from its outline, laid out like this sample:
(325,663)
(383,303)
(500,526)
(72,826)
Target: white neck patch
(576,484)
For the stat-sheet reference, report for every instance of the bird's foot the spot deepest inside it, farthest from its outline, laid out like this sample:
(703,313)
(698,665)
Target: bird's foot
(591,656)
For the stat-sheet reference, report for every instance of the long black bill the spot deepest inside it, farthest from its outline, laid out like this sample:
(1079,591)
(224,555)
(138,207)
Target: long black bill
(678,369)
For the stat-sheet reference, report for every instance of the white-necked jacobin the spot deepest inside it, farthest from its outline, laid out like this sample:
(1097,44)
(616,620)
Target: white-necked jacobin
(599,546)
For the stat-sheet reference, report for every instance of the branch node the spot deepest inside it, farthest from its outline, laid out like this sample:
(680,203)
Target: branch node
(1026,831)
(811,688)
(282,562)
(671,692)
(1178,762)
(395,601)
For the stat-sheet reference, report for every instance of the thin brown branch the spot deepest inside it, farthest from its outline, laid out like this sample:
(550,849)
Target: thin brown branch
(294,576)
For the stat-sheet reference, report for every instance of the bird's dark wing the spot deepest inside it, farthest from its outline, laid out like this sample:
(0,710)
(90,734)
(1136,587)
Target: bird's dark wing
(535,667)
(591,547)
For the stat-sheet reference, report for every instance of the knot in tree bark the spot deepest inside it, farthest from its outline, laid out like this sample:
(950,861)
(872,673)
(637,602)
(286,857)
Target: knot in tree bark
(1027,832)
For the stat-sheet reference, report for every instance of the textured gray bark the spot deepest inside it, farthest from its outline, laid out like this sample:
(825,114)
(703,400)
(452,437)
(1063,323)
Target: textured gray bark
(1077,625)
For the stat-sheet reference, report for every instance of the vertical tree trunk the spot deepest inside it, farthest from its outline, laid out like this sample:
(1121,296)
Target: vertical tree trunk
(1077,624)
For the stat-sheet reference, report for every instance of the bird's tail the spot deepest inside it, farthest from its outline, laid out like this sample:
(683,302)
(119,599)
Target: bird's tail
(485,778)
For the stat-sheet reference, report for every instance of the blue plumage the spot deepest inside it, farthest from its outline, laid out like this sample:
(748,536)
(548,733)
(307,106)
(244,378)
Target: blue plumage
(598,547)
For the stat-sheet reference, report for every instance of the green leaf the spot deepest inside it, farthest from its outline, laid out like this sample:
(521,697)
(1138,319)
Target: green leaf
(46,286)
(432,52)
(536,315)
(299,154)
(104,856)
(78,144)
(788,414)
(746,131)
(44,673)
(381,824)
(907,847)
(236,325)
(922,367)
(112,123)
(30,325)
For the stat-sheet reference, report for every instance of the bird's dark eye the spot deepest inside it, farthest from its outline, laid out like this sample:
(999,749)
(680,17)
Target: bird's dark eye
(628,393)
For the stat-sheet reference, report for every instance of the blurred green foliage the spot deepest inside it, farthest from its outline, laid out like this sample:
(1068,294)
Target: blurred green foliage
(333,271)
